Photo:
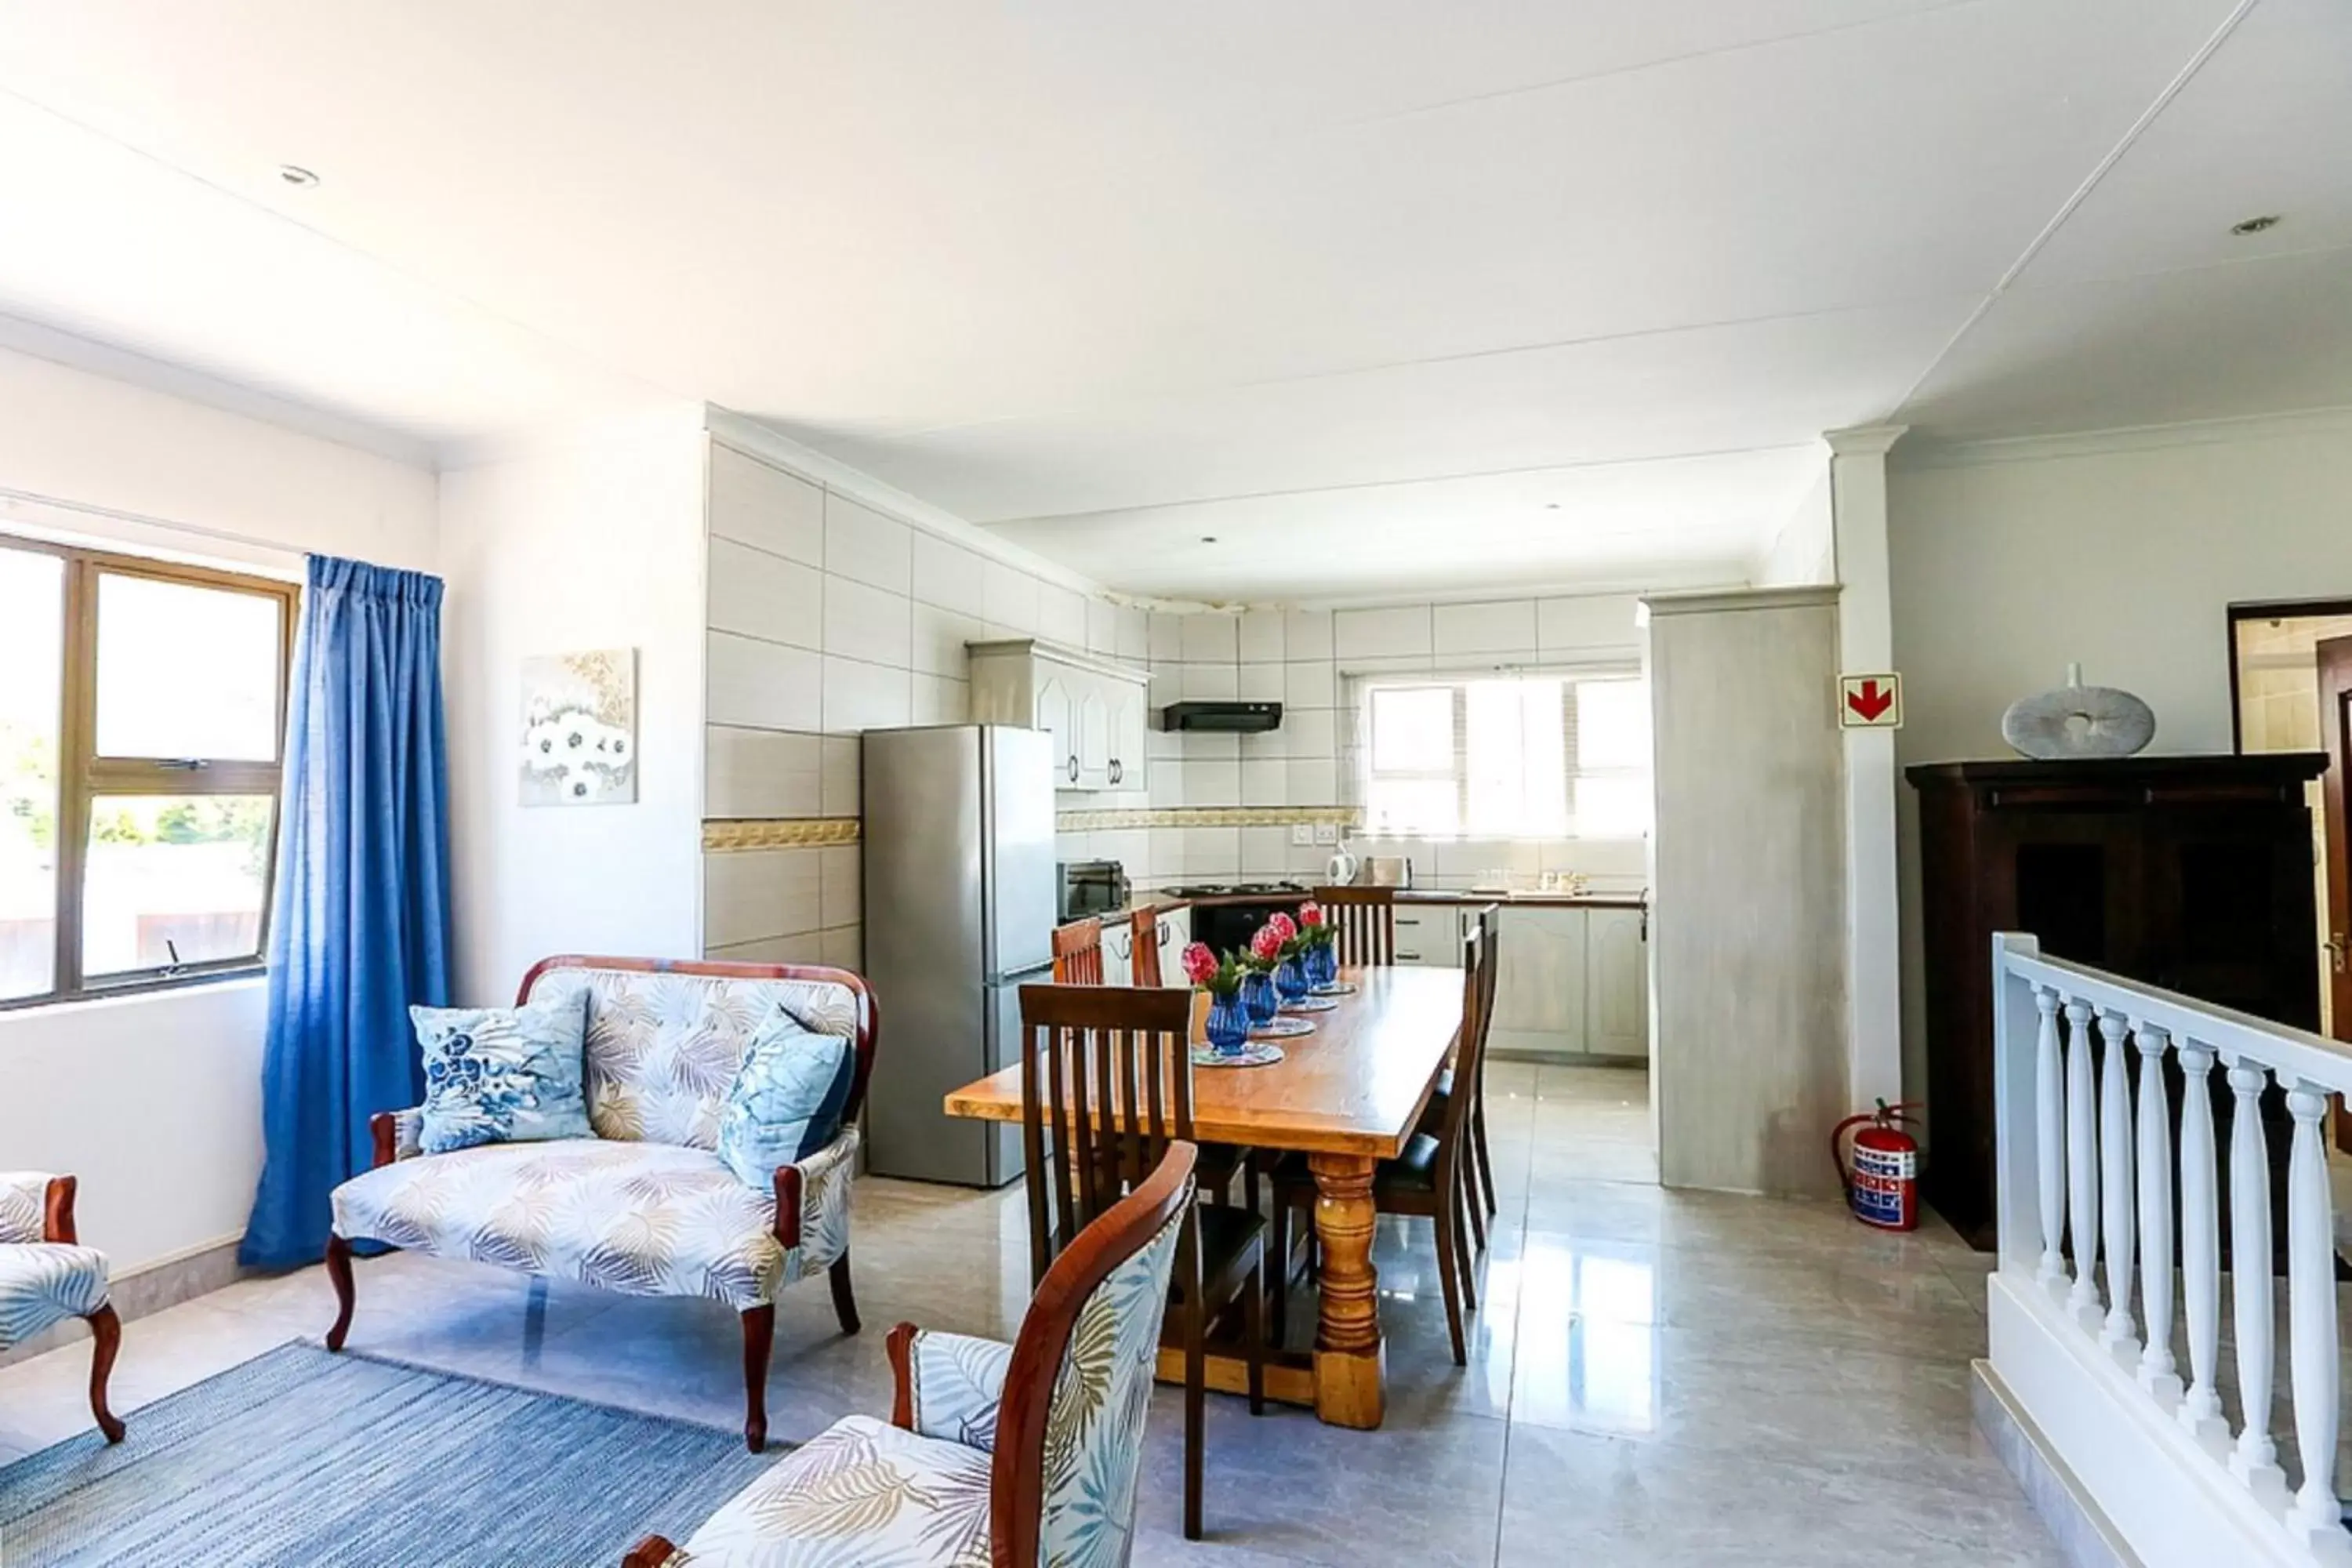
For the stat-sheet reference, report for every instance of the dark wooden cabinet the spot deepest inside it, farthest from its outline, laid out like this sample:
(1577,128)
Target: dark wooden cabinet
(2191,873)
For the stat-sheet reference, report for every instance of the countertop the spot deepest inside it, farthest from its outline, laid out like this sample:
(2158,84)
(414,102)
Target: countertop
(1527,897)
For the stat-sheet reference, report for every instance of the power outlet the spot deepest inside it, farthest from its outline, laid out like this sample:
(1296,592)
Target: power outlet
(1302,833)
(1326,833)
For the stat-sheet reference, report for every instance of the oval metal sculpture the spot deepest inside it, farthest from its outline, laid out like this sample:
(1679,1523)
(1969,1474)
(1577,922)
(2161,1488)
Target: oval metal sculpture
(2078,721)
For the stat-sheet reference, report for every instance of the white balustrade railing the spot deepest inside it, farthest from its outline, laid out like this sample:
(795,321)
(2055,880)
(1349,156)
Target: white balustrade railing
(2088,1179)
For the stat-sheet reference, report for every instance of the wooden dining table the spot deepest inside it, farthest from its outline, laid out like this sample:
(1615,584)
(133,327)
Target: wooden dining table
(1347,1096)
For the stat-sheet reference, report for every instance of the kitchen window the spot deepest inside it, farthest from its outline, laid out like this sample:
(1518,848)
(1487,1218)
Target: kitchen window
(141,728)
(1506,756)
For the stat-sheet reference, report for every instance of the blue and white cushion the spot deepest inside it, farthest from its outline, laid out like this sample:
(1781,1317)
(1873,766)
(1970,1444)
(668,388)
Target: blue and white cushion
(958,1384)
(23,1205)
(787,1097)
(503,1075)
(859,1495)
(44,1283)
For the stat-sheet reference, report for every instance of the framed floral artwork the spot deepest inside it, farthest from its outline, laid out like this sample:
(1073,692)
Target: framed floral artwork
(580,727)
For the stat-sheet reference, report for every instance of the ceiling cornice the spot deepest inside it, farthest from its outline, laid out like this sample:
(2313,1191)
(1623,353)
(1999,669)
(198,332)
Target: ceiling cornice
(1864,440)
(1925,451)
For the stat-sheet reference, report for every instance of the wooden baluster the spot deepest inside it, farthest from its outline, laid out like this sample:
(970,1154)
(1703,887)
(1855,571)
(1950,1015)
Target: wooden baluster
(2254,1460)
(2200,1247)
(2082,1166)
(2155,1369)
(2310,1316)
(2049,1122)
(2115,1184)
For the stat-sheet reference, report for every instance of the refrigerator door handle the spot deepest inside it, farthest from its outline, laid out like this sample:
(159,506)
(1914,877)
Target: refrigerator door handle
(1010,975)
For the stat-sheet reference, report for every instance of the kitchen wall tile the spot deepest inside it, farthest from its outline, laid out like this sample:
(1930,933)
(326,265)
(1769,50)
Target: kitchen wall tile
(1376,634)
(1390,664)
(1163,745)
(1134,632)
(866,622)
(1130,846)
(1165,637)
(1210,682)
(1061,615)
(754,593)
(760,772)
(1310,685)
(1210,745)
(949,576)
(1213,852)
(940,700)
(761,505)
(862,544)
(1260,683)
(1102,626)
(1310,733)
(1312,781)
(843,947)
(1307,634)
(1267,745)
(840,893)
(860,696)
(1265,852)
(1588,623)
(1213,781)
(1506,627)
(1212,638)
(1261,637)
(749,894)
(762,685)
(1167,853)
(1265,783)
(939,639)
(837,764)
(1166,783)
(1011,598)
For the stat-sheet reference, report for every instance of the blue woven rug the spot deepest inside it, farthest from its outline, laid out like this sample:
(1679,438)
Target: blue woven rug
(305,1459)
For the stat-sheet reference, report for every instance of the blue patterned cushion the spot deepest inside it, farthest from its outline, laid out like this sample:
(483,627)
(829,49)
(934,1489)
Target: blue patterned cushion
(787,1099)
(43,1283)
(503,1075)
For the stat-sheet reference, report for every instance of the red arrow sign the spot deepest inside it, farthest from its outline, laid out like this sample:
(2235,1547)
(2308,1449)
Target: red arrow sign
(1869,700)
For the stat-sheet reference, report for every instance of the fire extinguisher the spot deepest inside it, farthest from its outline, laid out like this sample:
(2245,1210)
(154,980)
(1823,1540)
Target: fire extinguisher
(1881,1180)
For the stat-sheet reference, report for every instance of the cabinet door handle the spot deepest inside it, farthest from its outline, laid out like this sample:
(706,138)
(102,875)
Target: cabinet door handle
(1073,767)
(1114,769)
(1408,958)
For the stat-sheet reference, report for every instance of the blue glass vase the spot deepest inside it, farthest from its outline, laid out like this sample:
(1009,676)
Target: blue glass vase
(1290,979)
(1228,1026)
(1258,997)
(1323,964)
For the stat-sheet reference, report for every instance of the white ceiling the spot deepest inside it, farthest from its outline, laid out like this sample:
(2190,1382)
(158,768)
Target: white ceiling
(1383,295)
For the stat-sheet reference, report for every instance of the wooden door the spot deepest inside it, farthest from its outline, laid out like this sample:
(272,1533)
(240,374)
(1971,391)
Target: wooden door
(2335,656)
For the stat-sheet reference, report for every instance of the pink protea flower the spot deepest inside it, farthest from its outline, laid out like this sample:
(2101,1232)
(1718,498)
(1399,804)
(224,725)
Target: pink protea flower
(1282,924)
(1200,963)
(1266,945)
(1310,913)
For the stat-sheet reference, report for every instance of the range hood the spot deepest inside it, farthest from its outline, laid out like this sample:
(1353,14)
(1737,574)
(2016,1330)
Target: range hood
(1228,718)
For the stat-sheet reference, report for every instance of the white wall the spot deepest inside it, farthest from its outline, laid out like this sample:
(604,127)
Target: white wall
(1805,550)
(154,1102)
(2122,552)
(595,543)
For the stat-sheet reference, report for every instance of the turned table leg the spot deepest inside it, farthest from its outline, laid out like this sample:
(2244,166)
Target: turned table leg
(1350,1361)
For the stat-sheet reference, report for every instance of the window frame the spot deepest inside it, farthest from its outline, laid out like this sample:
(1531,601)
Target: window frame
(1362,775)
(84,777)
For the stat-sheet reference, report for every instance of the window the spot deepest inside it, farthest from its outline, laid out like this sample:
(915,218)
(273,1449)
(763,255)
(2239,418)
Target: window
(1516,756)
(141,724)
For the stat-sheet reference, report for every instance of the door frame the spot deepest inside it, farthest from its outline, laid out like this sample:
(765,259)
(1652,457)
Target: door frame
(2264,610)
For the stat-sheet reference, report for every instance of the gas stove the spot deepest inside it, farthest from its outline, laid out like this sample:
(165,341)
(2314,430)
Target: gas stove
(1239,890)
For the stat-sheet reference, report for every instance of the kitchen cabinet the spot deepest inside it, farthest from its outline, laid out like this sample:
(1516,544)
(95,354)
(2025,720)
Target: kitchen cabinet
(1174,926)
(1429,935)
(1616,983)
(1175,936)
(1094,707)
(1539,995)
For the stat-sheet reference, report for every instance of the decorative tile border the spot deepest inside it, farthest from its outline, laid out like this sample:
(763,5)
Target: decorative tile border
(1210,816)
(792,833)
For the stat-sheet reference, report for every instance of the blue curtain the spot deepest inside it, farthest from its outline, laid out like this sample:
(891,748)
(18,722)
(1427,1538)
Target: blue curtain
(359,927)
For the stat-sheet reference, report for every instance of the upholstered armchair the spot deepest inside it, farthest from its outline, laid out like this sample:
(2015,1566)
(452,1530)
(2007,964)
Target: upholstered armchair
(1023,1454)
(45,1278)
(646,1206)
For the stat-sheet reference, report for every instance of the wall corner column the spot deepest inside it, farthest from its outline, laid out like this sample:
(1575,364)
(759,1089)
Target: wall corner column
(1866,644)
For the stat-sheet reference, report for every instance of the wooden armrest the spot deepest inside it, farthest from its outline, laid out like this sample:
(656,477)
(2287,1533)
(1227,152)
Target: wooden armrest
(901,1345)
(384,1129)
(651,1553)
(788,1206)
(57,1218)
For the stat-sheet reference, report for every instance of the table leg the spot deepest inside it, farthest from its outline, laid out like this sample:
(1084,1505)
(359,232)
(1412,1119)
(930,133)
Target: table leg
(1350,1360)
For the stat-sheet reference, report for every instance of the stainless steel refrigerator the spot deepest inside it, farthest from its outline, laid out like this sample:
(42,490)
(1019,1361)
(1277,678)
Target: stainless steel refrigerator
(958,851)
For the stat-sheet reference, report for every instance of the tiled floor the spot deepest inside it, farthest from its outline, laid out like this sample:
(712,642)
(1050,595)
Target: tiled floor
(1654,1378)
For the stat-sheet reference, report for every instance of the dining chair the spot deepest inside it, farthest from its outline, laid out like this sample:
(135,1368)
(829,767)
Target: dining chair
(1365,918)
(1429,1179)
(1144,928)
(1078,954)
(1106,1089)
(1479,1169)
(994,1453)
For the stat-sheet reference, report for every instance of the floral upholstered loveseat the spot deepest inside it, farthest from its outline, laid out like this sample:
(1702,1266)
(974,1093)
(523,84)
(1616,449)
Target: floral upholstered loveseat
(646,1206)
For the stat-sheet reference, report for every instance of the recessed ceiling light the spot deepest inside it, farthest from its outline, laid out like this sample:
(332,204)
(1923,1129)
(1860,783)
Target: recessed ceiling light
(297,175)
(1551,506)
(1208,539)
(2255,225)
